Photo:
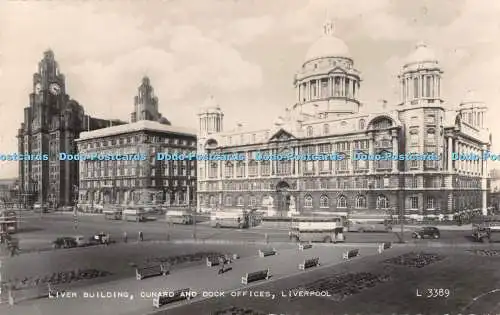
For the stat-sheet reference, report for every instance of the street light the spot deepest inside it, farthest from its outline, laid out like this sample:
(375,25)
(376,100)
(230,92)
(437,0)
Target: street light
(75,207)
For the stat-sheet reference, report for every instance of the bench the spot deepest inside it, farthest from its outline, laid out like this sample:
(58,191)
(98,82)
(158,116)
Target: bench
(256,276)
(267,252)
(178,295)
(212,261)
(387,245)
(309,263)
(305,246)
(150,271)
(350,253)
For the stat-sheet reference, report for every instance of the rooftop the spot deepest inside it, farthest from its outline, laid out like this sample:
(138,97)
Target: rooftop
(142,125)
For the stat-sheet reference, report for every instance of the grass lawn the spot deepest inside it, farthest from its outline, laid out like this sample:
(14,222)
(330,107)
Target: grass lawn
(465,274)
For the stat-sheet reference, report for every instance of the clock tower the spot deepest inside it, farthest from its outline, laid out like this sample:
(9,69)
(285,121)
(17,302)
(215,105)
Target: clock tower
(52,122)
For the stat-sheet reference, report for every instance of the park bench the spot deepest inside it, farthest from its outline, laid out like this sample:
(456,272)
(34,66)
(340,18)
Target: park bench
(150,271)
(304,246)
(387,245)
(212,261)
(309,263)
(350,253)
(383,246)
(267,252)
(178,295)
(256,276)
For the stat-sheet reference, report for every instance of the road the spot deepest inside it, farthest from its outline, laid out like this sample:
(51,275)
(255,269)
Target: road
(39,232)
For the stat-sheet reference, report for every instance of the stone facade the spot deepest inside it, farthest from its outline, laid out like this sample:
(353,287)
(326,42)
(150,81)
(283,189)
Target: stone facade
(329,118)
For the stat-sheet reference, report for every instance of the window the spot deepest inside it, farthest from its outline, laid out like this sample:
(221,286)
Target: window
(252,168)
(430,203)
(361,124)
(240,169)
(326,129)
(212,201)
(342,202)
(382,202)
(323,202)
(361,202)
(309,131)
(241,201)
(413,202)
(229,170)
(229,201)
(265,168)
(253,201)
(308,201)
(213,170)
(414,138)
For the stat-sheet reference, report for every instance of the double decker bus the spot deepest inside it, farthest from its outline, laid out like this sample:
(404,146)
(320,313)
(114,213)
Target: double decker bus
(179,217)
(487,231)
(230,218)
(317,228)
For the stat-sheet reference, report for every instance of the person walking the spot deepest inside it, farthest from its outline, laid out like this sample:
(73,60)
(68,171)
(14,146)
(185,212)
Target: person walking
(125,237)
(141,236)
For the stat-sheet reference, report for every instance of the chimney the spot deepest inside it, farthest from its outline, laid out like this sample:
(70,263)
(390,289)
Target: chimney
(239,126)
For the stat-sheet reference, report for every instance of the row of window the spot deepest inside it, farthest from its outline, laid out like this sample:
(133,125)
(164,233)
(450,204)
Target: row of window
(135,182)
(136,140)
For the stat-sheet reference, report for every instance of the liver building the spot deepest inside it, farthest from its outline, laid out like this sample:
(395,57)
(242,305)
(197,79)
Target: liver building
(328,117)
(52,122)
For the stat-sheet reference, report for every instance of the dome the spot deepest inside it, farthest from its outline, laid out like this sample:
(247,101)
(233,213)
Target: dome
(422,53)
(210,103)
(328,45)
(471,98)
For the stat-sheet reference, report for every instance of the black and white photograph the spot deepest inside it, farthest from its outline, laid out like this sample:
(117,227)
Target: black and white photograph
(249,157)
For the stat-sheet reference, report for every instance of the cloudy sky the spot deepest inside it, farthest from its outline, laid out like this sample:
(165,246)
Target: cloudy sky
(243,52)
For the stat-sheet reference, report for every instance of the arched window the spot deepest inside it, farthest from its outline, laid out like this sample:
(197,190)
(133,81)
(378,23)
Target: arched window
(326,129)
(323,202)
(310,131)
(265,201)
(361,202)
(308,201)
(229,201)
(240,169)
(212,201)
(241,201)
(341,202)
(252,168)
(361,124)
(382,202)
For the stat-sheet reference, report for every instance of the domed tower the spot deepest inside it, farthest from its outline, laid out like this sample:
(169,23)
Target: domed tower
(327,84)
(420,78)
(421,109)
(211,117)
(473,112)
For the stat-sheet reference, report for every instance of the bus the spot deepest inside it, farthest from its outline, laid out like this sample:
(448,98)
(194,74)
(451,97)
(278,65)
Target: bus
(179,217)
(229,219)
(369,221)
(112,214)
(134,214)
(317,228)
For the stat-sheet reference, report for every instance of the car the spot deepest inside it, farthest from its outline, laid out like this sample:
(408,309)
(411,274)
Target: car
(100,238)
(64,242)
(81,241)
(427,232)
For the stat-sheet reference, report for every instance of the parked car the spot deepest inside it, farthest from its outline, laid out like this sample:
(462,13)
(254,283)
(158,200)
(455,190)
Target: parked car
(38,207)
(81,240)
(65,242)
(427,232)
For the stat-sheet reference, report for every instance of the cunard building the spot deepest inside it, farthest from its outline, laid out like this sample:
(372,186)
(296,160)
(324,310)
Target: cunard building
(142,180)
(328,117)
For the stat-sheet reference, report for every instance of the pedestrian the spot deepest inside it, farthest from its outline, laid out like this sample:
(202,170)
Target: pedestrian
(222,263)
(141,236)
(125,237)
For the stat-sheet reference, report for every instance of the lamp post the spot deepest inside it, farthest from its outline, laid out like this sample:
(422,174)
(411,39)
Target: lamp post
(75,208)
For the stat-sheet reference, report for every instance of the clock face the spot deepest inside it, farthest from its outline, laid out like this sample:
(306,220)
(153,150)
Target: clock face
(55,89)
(38,88)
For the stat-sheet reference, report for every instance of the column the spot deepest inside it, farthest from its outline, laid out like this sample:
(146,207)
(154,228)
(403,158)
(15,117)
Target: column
(297,170)
(330,86)
(402,90)
(394,151)
(246,163)
(342,86)
(297,92)
(370,151)
(308,89)
(318,88)
(450,151)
